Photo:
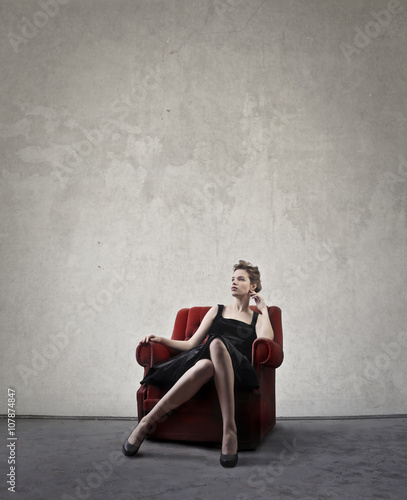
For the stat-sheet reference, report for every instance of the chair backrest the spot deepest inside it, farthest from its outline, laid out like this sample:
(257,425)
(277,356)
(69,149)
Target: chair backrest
(188,320)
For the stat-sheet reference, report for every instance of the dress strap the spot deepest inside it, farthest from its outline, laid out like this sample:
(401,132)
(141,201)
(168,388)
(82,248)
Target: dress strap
(255,316)
(220,309)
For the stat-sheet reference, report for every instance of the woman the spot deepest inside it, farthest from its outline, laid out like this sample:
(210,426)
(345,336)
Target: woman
(225,357)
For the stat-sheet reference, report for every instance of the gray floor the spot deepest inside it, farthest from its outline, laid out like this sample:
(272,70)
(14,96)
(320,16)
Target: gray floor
(299,459)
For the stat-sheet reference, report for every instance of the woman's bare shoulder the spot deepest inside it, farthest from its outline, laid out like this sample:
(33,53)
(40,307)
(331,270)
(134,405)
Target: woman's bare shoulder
(211,314)
(213,310)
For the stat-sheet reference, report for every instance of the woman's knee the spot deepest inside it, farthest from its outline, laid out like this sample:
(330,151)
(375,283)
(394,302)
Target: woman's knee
(217,347)
(204,368)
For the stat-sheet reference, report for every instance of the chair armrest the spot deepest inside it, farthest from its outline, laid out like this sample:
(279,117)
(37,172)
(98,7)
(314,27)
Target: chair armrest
(266,352)
(149,354)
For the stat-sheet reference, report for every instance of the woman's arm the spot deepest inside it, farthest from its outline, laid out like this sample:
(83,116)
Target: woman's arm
(197,338)
(263,325)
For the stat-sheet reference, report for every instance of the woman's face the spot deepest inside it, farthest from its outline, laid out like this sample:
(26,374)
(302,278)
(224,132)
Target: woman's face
(241,283)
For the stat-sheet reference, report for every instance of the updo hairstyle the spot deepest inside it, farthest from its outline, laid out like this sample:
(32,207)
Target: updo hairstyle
(252,271)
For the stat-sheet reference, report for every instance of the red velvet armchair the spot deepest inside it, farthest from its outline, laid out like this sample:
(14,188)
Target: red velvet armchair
(200,419)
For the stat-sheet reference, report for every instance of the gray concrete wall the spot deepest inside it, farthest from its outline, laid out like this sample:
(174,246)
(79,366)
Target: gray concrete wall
(149,145)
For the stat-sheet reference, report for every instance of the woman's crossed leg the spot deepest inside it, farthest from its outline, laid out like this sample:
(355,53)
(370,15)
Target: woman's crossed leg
(183,390)
(220,367)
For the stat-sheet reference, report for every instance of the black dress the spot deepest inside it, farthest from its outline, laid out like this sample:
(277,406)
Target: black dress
(238,338)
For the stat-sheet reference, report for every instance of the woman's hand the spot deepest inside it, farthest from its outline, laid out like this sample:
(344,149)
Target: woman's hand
(259,301)
(151,338)
(263,325)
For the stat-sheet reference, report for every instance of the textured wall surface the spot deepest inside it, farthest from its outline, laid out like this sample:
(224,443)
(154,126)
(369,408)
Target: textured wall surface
(146,146)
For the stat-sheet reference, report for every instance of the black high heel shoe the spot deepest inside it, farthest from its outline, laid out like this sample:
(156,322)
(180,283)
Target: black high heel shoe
(228,460)
(130,450)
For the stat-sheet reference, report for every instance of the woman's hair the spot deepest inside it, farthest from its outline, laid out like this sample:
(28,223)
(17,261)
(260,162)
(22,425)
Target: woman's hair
(252,271)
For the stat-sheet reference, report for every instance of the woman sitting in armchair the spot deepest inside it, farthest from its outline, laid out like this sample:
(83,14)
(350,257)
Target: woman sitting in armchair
(225,356)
